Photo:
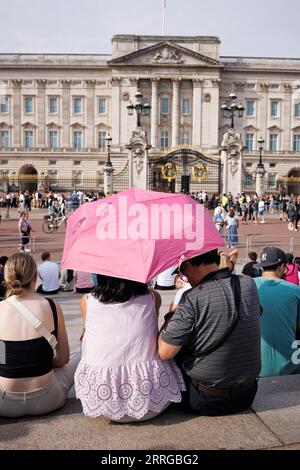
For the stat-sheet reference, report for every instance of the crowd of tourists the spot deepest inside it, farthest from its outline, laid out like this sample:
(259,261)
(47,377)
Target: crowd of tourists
(222,333)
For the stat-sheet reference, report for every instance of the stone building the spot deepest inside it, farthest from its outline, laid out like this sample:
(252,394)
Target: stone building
(56,111)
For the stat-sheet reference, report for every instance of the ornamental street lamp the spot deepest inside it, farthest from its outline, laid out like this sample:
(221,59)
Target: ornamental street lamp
(108,144)
(260,169)
(139,108)
(260,148)
(108,169)
(231,108)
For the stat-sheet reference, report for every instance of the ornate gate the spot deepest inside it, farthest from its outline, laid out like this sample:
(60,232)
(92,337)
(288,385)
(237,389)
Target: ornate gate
(185,169)
(248,181)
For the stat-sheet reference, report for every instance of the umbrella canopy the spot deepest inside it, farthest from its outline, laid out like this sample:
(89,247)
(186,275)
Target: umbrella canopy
(137,234)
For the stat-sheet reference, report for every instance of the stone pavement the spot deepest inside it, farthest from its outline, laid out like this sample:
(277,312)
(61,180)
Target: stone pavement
(272,423)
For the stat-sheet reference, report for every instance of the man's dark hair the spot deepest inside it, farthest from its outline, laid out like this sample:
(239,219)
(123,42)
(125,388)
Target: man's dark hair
(211,257)
(289,257)
(45,255)
(115,290)
(3,260)
(272,268)
(252,255)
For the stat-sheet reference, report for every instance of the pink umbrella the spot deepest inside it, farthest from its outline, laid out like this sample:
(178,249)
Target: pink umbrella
(137,234)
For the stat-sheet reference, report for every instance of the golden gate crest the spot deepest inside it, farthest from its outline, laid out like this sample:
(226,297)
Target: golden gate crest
(169,171)
(200,171)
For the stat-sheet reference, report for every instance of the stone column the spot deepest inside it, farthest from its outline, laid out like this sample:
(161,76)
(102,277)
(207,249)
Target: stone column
(115,111)
(66,117)
(41,107)
(197,110)
(175,112)
(108,179)
(231,155)
(287,113)
(260,181)
(154,111)
(138,159)
(16,114)
(89,116)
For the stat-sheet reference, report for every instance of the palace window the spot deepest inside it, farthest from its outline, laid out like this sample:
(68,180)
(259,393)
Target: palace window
(53,139)
(102,106)
(297,109)
(28,139)
(101,140)
(185,106)
(53,105)
(296,143)
(77,105)
(249,141)
(4,104)
(4,139)
(271,181)
(164,106)
(164,139)
(185,138)
(274,108)
(28,105)
(77,139)
(273,147)
(250,108)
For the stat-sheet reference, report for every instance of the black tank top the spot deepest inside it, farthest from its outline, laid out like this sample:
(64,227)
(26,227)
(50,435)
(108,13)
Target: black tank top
(29,358)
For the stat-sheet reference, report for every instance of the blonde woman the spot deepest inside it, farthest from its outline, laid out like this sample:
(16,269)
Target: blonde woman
(35,375)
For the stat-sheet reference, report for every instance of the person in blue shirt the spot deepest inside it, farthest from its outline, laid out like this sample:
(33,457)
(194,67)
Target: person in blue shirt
(280,318)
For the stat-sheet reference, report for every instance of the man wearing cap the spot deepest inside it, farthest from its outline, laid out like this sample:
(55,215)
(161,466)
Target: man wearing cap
(280,319)
(215,336)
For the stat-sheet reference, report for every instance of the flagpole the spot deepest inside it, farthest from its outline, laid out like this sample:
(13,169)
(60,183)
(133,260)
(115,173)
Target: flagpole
(164,2)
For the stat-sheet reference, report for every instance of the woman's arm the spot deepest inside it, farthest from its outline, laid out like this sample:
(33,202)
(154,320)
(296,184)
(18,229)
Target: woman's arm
(157,299)
(83,306)
(62,354)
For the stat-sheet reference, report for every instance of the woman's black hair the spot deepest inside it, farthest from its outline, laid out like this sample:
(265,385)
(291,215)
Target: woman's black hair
(115,290)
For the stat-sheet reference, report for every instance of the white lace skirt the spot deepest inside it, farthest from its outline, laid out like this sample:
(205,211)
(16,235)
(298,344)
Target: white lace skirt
(131,390)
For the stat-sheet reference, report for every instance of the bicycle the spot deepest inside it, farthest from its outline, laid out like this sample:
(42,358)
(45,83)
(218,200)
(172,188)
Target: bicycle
(50,225)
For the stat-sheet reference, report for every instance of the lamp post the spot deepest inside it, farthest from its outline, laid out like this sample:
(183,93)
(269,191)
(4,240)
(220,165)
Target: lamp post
(230,110)
(260,169)
(13,174)
(108,168)
(139,108)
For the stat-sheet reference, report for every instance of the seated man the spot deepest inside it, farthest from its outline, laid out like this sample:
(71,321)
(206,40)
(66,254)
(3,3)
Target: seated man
(215,329)
(49,273)
(280,319)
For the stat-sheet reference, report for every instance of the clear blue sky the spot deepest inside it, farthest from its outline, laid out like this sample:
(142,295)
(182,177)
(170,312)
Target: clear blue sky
(255,28)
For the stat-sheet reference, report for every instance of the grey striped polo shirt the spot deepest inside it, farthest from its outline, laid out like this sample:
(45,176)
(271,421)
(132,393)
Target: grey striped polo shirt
(201,317)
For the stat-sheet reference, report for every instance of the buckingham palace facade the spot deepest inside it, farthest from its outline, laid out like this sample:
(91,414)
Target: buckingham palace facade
(56,110)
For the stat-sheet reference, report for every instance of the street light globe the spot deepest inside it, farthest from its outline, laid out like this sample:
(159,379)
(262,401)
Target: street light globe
(233,96)
(108,139)
(130,108)
(139,95)
(261,141)
(147,108)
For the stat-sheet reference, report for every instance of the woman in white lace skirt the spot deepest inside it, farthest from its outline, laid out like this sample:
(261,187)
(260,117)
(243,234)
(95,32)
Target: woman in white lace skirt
(120,375)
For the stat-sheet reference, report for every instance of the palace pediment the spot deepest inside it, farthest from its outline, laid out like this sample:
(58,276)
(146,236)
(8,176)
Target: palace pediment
(4,125)
(168,54)
(53,125)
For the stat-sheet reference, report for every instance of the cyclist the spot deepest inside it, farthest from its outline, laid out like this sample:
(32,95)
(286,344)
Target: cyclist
(53,213)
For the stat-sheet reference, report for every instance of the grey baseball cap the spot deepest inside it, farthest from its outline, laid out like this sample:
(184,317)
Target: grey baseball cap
(271,257)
